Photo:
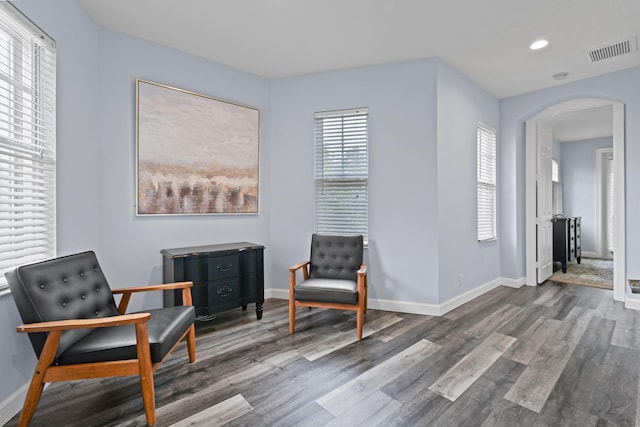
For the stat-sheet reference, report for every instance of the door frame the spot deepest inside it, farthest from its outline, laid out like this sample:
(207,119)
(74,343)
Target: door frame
(619,244)
(601,214)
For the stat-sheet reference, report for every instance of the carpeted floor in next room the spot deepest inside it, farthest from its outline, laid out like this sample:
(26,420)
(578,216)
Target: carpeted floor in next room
(595,272)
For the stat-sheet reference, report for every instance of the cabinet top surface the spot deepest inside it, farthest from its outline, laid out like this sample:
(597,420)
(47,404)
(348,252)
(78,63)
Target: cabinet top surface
(207,249)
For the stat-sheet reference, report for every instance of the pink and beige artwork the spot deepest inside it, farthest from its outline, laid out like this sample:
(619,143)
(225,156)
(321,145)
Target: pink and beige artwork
(195,154)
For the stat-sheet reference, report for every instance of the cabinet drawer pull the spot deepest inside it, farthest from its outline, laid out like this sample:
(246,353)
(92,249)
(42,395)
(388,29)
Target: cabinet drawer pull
(224,266)
(224,291)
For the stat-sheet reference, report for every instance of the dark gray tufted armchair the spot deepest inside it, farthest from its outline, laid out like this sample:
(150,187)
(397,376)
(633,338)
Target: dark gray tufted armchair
(77,331)
(334,277)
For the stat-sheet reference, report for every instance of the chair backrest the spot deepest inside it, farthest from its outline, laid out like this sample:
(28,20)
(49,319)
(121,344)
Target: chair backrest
(335,257)
(69,287)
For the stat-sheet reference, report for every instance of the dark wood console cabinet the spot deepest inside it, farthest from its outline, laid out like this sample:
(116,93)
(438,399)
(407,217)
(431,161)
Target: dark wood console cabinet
(566,240)
(224,276)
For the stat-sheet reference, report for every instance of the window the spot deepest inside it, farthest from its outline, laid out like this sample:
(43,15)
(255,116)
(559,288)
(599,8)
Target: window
(341,172)
(555,175)
(27,142)
(486,141)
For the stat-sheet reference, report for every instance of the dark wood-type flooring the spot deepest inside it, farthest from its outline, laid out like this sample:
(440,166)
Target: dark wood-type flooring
(555,355)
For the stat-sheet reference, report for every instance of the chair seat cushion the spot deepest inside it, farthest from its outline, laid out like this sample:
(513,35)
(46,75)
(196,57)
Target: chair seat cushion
(165,327)
(327,290)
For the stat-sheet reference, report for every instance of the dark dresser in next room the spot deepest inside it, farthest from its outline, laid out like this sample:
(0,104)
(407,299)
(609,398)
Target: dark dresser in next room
(224,276)
(567,244)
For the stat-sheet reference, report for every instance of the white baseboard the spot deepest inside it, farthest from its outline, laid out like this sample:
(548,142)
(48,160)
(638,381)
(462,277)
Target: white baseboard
(631,301)
(13,404)
(422,308)
(276,293)
(589,254)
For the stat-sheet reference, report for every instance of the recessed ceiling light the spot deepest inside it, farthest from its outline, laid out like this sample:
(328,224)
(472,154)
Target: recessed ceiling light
(538,44)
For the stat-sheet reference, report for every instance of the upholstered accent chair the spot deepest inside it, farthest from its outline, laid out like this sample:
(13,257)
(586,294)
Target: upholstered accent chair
(77,331)
(333,277)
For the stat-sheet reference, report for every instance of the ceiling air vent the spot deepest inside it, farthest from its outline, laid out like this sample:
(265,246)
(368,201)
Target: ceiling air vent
(613,49)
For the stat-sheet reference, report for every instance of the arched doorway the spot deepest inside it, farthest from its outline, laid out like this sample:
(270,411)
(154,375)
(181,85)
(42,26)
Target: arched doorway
(531,197)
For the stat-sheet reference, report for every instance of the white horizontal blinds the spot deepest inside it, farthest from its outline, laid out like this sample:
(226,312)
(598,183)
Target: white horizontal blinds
(27,142)
(486,141)
(341,172)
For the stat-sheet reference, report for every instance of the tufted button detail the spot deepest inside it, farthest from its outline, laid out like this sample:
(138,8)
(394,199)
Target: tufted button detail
(97,288)
(82,274)
(41,285)
(64,280)
(64,304)
(83,296)
(97,312)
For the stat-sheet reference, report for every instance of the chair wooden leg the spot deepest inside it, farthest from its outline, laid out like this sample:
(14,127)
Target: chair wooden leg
(366,294)
(146,373)
(37,381)
(292,315)
(360,320)
(191,343)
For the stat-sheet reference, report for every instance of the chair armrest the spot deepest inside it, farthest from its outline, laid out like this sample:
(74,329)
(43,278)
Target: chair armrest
(363,269)
(63,325)
(126,293)
(292,275)
(298,266)
(159,287)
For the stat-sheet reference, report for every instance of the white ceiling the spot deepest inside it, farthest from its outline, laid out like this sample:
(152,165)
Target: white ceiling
(486,40)
(582,124)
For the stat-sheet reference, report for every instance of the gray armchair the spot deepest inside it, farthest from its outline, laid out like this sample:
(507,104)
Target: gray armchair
(77,331)
(334,277)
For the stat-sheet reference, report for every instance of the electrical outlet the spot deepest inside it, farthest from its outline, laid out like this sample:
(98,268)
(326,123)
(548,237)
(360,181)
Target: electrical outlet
(460,279)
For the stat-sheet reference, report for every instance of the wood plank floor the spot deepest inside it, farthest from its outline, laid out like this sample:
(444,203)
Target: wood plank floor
(555,355)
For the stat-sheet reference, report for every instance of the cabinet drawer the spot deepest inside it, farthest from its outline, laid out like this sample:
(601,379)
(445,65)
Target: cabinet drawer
(211,298)
(221,267)
(224,294)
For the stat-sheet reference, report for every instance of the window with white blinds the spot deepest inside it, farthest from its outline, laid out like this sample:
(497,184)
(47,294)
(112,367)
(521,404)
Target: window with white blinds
(27,142)
(341,172)
(486,164)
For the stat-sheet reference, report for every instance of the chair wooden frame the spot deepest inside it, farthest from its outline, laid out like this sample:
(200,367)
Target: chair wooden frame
(46,372)
(360,307)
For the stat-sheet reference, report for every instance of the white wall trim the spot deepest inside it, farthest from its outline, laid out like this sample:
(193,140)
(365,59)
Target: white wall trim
(632,301)
(531,220)
(423,308)
(10,406)
(619,225)
(601,229)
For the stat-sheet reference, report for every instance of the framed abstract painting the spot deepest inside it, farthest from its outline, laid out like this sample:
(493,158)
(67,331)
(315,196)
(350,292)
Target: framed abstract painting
(195,154)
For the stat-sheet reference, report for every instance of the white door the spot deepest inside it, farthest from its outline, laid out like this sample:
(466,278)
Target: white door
(544,210)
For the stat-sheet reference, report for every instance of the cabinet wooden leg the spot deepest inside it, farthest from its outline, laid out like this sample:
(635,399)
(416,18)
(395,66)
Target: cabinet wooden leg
(259,311)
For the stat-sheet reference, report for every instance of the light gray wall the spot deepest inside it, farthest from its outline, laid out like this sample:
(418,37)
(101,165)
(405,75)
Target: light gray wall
(579,179)
(619,86)
(461,104)
(403,234)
